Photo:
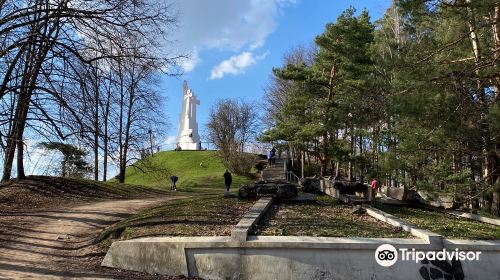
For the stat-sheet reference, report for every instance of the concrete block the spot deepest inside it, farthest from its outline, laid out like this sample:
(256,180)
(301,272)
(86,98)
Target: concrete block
(400,194)
(441,200)
(432,238)
(474,217)
(288,257)
(240,231)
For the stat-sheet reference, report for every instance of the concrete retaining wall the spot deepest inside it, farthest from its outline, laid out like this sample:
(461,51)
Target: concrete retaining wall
(240,231)
(444,201)
(429,236)
(289,257)
(326,186)
(475,217)
(400,193)
(277,257)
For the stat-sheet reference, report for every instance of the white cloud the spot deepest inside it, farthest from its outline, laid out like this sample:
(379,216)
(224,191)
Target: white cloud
(188,64)
(225,25)
(235,65)
(264,55)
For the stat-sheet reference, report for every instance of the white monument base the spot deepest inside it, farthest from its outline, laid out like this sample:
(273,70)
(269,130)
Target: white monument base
(189,146)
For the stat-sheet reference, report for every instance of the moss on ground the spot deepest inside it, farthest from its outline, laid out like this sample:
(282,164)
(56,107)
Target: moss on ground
(212,215)
(447,225)
(326,217)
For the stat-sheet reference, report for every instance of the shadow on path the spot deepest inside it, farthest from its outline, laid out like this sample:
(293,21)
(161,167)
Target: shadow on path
(47,244)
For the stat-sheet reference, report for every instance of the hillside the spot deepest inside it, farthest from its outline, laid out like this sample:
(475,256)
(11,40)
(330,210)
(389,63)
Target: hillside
(197,171)
(41,191)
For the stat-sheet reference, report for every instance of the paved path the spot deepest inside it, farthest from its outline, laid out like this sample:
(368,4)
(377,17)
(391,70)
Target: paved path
(52,238)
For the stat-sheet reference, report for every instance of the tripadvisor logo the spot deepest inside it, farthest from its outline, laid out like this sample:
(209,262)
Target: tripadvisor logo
(387,255)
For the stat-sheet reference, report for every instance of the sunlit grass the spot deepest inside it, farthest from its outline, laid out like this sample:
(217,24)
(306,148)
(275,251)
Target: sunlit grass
(200,216)
(326,217)
(198,171)
(447,225)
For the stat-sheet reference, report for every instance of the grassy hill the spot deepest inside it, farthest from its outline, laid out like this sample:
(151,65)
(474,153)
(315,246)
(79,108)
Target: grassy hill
(198,171)
(41,191)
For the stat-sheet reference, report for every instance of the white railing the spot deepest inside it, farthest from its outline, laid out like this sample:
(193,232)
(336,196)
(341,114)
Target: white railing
(291,177)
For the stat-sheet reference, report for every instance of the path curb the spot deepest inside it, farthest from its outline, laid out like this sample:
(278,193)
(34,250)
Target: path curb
(240,231)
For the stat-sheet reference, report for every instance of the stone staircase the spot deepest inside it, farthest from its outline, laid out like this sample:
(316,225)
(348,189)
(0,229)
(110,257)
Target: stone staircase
(274,173)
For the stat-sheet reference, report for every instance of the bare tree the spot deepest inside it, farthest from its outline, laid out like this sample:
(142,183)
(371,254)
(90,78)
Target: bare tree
(45,44)
(231,125)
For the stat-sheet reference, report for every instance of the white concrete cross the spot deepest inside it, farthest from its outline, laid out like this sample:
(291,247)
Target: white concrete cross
(188,137)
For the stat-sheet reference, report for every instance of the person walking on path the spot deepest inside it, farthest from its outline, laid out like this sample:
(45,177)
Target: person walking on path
(273,156)
(228,179)
(174,180)
(270,159)
(374,186)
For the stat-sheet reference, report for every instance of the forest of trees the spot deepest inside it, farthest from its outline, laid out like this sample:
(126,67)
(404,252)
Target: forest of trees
(82,73)
(412,99)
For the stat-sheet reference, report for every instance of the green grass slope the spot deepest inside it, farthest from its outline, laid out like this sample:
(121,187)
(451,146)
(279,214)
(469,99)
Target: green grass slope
(198,171)
(37,191)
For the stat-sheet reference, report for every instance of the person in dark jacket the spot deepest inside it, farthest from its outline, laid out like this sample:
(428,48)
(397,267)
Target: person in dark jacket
(273,156)
(228,179)
(269,159)
(174,180)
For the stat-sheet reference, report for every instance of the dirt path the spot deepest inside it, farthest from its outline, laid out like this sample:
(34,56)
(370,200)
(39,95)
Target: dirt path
(60,243)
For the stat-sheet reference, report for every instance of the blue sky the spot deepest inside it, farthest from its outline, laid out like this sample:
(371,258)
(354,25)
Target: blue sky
(235,44)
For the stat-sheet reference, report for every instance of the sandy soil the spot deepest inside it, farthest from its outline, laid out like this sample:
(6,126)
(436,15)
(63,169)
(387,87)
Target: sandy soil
(59,242)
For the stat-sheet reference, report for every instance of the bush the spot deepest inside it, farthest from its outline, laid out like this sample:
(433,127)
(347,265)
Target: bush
(239,163)
(311,170)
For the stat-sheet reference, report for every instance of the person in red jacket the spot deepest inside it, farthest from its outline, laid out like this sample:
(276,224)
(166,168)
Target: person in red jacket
(374,186)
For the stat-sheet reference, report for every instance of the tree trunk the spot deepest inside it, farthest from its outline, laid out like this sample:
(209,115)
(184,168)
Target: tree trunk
(35,56)
(351,167)
(106,136)
(19,121)
(96,152)
(324,158)
(121,173)
(96,126)
(9,156)
(20,161)
(128,124)
(495,28)
(63,167)
(362,168)
(490,158)
(302,164)
(16,136)
(495,205)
